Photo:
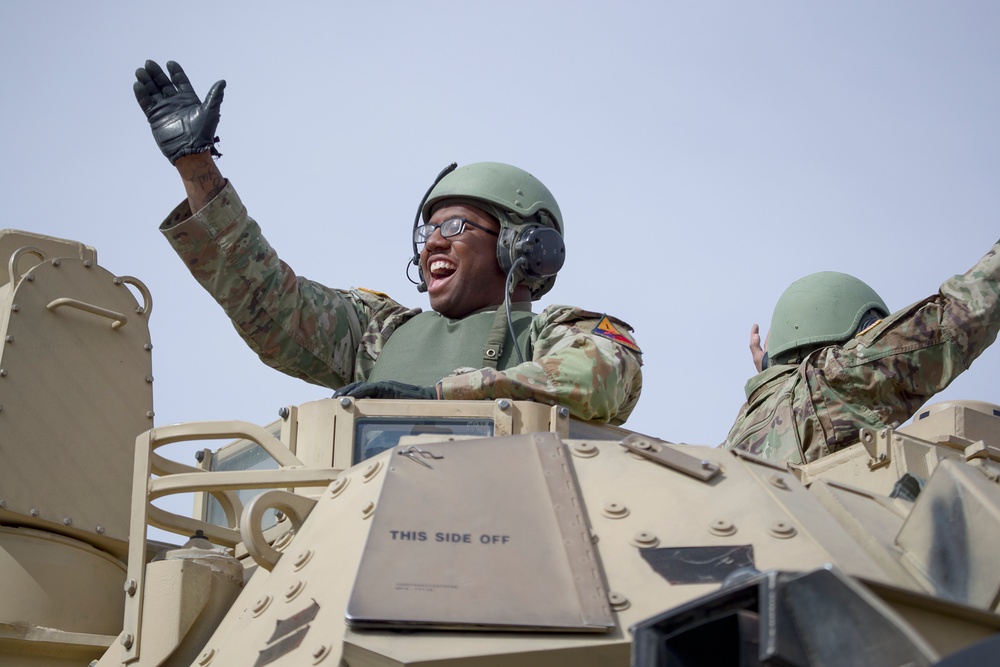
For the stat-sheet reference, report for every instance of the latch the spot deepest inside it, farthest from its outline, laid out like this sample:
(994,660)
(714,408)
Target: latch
(663,453)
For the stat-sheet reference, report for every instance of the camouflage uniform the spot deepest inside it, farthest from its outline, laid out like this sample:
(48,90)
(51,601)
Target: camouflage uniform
(879,378)
(332,337)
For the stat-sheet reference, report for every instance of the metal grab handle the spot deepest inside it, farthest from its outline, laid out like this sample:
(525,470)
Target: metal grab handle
(15,257)
(118,322)
(147,299)
(295,507)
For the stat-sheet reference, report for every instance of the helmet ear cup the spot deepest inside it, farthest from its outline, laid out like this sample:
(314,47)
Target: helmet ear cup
(535,250)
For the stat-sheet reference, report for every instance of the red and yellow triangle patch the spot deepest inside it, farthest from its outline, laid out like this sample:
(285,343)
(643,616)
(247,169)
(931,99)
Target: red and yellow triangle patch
(607,329)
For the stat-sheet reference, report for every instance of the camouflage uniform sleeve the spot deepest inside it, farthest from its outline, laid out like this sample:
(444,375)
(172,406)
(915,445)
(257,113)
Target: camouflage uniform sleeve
(594,376)
(325,336)
(888,372)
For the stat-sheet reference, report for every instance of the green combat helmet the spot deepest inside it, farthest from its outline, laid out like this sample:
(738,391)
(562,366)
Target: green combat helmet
(821,308)
(522,205)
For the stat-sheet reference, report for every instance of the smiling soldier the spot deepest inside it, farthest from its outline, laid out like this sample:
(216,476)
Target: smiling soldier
(487,241)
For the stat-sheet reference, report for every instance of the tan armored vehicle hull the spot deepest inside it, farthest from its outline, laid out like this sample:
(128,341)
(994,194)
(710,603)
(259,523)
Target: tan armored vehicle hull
(471,533)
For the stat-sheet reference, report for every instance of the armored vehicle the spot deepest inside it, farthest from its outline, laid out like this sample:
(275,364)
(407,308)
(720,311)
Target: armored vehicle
(461,533)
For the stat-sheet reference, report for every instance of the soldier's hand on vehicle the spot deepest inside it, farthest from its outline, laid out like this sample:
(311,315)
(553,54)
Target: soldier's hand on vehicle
(755,349)
(386,389)
(181,123)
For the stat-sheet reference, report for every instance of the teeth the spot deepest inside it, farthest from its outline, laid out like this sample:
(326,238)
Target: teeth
(442,265)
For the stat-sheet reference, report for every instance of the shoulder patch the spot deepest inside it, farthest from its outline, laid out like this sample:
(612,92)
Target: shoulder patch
(607,329)
(382,295)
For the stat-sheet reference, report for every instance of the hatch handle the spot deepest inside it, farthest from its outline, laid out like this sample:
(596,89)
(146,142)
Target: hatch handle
(118,319)
(15,257)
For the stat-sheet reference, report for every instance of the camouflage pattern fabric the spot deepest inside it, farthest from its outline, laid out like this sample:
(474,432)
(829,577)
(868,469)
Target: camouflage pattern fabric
(332,337)
(596,378)
(880,378)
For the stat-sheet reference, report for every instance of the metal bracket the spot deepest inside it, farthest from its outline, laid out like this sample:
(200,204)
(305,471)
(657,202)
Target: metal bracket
(877,444)
(663,453)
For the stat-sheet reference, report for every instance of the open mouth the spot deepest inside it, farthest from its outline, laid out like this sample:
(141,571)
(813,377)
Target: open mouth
(440,270)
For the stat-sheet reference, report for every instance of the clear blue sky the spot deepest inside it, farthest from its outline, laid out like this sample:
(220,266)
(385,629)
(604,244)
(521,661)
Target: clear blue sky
(704,155)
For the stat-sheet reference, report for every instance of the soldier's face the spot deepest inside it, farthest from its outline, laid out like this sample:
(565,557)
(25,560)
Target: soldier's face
(462,272)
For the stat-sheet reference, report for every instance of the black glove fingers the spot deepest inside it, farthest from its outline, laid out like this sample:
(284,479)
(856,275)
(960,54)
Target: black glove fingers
(346,389)
(162,84)
(214,98)
(142,96)
(152,91)
(179,78)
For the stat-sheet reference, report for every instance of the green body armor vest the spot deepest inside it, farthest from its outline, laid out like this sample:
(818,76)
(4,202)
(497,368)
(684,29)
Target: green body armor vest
(429,347)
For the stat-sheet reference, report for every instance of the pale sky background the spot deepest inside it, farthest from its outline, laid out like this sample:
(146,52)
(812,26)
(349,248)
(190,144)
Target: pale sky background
(704,155)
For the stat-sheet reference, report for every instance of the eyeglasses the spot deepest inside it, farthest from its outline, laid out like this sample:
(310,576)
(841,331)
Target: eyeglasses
(450,227)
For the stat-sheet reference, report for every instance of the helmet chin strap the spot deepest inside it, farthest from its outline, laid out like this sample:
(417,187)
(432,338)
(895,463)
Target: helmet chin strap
(415,259)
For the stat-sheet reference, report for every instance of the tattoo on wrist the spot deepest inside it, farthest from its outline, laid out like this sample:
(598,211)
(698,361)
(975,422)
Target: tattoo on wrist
(211,184)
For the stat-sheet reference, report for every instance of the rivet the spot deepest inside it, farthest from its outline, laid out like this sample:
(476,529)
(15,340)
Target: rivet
(3,503)
(644,539)
(279,516)
(99,530)
(9,339)
(584,449)
(368,510)
(147,347)
(618,601)
(67,521)
(707,465)
(722,527)
(293,590)
(260,605)
(127,640)
(503,404)
(519,192)
(57,262)
(782,530)
(30,277)
(3,372)
(283,413)
(778,482)
(302,559)
(345,402)
(338,486)
(320,652)
(615,511)
(563,412)
(88,263)
(643,444)
(149,414)
(34,512)
(371,470)
(15,307)
(130,587)
(116,280)
(517,202)
(149,378)
(206,657)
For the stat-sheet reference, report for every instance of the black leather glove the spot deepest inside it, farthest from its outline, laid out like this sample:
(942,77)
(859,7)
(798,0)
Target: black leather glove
(181,124)
(386,389)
